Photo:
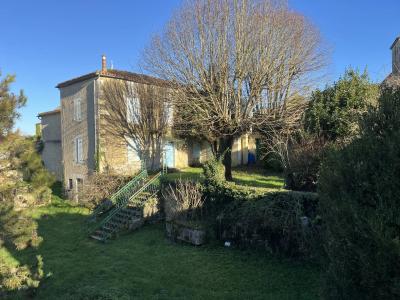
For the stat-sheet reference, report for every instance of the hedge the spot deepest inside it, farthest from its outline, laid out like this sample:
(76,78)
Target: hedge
(284,222)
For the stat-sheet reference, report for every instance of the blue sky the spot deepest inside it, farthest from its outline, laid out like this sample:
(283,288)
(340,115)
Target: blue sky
(47,42)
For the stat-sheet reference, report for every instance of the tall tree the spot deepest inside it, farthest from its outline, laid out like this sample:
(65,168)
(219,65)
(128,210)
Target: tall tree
(231,59)
(9,105)
(139,114)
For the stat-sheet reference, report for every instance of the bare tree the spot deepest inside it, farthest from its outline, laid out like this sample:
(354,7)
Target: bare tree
(230,59)
(139,114)
(279,130)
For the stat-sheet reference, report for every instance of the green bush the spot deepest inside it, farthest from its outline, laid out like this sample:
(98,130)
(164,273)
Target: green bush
(17,227)
(20,278)
(282,222)
(214,172)
(333,113)
(305,158)
(360,205)
(273,162)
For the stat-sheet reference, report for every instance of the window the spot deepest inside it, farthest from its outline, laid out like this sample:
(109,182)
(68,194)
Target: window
(132,109)
(70,184)
(77,109)
(78,150)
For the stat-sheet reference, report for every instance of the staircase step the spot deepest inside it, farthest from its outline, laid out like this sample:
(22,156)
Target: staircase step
(108,229)
(99,238)
(116,224)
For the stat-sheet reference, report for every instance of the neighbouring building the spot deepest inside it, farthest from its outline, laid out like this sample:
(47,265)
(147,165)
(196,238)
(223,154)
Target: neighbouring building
(393,80)
(88,147)
(50,132)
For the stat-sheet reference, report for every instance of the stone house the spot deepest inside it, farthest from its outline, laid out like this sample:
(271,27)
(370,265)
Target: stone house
(87,147)
(393,79)
(50,127)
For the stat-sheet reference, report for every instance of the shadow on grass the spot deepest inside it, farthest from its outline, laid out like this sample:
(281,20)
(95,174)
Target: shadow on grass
(257,177)
(144,264)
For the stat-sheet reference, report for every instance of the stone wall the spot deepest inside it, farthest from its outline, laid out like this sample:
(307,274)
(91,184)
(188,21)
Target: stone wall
(51,137)
(71,129)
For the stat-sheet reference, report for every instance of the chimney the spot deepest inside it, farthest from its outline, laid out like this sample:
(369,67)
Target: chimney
(103,64)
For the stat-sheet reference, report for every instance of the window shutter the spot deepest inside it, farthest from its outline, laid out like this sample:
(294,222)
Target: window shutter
(80,150)
(75,152)
(74,110)
(77,109)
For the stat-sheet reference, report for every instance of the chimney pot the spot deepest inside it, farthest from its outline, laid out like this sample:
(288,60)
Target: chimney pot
(103,64)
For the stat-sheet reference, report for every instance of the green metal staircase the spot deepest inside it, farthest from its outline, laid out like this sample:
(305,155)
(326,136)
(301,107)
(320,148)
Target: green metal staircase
(124,193)
(128,203)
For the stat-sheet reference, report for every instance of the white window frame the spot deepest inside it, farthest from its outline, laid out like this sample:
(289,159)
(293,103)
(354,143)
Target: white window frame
(77,109)
(78,150)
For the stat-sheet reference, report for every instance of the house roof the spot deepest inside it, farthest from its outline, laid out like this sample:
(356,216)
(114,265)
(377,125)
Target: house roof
(394,43)
(129,76)
(51,112)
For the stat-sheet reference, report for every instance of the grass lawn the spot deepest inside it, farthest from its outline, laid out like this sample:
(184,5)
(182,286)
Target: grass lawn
(244,176)
(145,265)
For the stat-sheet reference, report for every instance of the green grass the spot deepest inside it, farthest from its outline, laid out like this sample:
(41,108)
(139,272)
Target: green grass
(145,265)
(244,176)
(186,174)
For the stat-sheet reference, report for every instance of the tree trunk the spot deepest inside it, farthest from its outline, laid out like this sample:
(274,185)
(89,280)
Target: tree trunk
(225,149)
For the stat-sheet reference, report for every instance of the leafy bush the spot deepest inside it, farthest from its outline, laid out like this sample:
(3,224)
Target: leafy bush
(20,277)
(33,185)
(305,158)
(334,112)
(359,190)
(280,222)
(273,162)
(24,157)
(214,172)
(17,227)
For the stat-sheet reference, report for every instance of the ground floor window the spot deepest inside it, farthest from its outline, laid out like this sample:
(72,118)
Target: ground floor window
(70,184)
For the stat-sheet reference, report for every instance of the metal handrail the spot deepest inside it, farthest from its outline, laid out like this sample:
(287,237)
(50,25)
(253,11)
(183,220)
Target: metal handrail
(114,198)
(123,204)
(141,175)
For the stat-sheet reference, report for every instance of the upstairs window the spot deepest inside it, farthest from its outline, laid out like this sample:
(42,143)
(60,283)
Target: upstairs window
(77,109)
(132,109)
(78,150)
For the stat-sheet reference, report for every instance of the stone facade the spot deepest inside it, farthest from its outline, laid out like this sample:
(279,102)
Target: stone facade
(393,80)
(200,152)
(82,127)
(50,130)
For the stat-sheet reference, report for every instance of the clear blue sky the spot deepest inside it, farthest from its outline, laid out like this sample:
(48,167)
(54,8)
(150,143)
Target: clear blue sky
(47,42)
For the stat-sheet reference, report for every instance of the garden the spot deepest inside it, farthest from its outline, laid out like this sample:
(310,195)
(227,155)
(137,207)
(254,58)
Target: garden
(146,265)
